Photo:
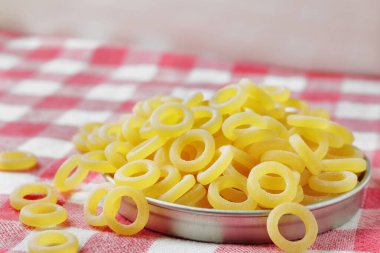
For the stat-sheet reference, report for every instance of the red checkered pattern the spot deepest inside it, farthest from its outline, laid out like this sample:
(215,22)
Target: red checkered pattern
(50,86)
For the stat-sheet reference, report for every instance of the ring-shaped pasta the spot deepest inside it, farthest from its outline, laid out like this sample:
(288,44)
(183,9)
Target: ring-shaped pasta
(229,99)
(64,179)
(91,205)
(335,128)
(311,196)
(80,142)
(307,121)
(355,165)
(293,105)
(231,170)
(277,127)
(278,94)
(227,182)
(111,131)
(275,182)
(17,197)
(258,148)
(199,162)
(347,151)
(147,171)
(214,117)
(303,214)
(222,160)
(178,190)
(257,93)
(288,158)
(333,182)
(312,162)
(112,205)
(161,156)
(170,177)
(320,112)
(186,119)
(316,135)
(42,214)
(194,99)
(116,153)
(232,123)
(264,198)
(130,129)
(17,160)
(252,135)
(95,141)
(147,131)
(242,160)
(193,196)
(146,148)
(299,196)
(96,161)
(53,241)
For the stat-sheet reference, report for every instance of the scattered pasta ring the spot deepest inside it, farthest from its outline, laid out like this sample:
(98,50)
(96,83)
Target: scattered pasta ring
(63,180)
(229,99)
(301,212)
(96,161)
(116,153)
(146,148)
(53,241)
(193,196)
(42,214)
(178,190)
(171,177)
(112,205)
(17,160)
(333,182)
(214,121)
(91,204)
(18,201)
(232,123)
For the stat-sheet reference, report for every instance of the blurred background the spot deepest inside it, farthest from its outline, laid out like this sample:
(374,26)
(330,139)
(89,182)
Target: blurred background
(326,35)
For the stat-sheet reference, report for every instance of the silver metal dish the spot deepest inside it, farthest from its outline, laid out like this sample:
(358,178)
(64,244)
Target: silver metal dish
(243,227)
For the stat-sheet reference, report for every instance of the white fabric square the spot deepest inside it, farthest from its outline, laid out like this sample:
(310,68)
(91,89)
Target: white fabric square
(36,87)
(175,245)
(83,236)
(8,61)
(25,43)
(47,147)
(62,66)
(110,92)
(79,197)
(11,180)
(367,141)
(208,76)
(293,83)
(81,44)
(80,117)
(358,86)
(352,223)
(185,93)
(12,112)
(141,72)
(350,110)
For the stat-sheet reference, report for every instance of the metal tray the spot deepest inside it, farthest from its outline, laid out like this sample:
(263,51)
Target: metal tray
(243,227)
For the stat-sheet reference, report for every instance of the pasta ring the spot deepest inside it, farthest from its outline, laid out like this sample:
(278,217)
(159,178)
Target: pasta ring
(146,148)
(91,204)
(53,241)
(214,121)
(125,175)
(178,190)
(130,129)
(223,160)
(186,119)
(288,158)
(301,212)
(333,182)
(116,153)
(264,198)
(231,124)
(194,99)
(229,99)
(18,201)
(199,162)
(252,135)
(42,214)
(355,165)
(17,160)
(80,142)
(193,196)
(112,205)
(63,181)
(229,182)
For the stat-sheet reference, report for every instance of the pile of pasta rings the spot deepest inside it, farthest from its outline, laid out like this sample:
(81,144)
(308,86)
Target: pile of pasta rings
(248,147)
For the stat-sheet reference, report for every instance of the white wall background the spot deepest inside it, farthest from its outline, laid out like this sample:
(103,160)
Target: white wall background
(335,35)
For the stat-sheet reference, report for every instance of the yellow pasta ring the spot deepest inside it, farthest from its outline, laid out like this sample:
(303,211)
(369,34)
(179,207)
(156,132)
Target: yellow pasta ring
(146,148)
(42,214)
(64,179)
(18,201)
(257,93)
(264,198)
(252,135)
(184,114)
(130,129)
(91,205)
(112,205)
(257,149)
(194,99)
(288,158)
(355,165)
(278,94)
(276,126)
(96,161)
(193,196)
(116,153)
(229,99)
(178,190)
(80,142)
(17,160)
(302,213)
(333,182)
(189,137)
(228,182)
(53,241)
(214,121)
(111,132)
(126,174)
(170,177)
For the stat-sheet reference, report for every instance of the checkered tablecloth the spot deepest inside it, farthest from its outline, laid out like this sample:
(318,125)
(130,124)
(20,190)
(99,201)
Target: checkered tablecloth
(50,86)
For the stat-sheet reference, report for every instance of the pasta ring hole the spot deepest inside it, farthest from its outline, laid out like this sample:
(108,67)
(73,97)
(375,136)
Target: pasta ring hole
(233,195)
(291,219)
(35,196)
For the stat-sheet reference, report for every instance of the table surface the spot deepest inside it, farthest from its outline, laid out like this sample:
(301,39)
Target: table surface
(50,86)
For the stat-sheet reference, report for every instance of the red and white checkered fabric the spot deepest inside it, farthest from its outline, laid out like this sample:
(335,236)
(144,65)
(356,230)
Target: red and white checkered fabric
(50,86)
